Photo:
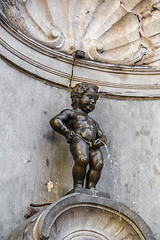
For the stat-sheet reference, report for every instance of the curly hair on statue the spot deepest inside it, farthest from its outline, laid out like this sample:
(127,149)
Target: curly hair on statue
(80,89)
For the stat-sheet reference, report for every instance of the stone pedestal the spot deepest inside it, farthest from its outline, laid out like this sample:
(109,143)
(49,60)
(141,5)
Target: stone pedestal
(84,216)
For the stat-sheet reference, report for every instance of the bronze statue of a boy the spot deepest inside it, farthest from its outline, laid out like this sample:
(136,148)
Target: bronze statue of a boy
(83,134)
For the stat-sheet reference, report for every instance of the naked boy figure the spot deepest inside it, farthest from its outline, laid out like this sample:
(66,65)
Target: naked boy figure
(83,134)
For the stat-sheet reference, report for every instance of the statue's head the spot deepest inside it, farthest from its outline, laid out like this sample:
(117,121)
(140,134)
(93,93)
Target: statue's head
(84,95)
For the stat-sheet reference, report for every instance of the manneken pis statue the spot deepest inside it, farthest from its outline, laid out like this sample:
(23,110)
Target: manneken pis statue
(83,134)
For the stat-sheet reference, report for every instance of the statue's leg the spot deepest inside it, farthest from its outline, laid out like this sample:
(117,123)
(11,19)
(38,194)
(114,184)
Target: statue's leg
(96,165)
(80,153)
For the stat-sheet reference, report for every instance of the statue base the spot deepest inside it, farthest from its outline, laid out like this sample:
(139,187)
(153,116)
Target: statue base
(89,192)
(84,215)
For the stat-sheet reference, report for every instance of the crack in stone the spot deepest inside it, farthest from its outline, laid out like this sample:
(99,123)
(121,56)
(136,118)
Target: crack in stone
(140,27)
(156,6)
(71,79)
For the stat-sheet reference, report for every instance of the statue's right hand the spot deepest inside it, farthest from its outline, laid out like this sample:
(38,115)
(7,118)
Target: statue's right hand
(70,135)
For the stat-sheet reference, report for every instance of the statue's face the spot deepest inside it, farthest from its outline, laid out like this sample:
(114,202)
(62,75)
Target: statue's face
(88,101)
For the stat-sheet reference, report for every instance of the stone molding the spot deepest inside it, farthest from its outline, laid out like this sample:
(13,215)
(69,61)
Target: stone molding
(83,216)
(62,69)
(116,32)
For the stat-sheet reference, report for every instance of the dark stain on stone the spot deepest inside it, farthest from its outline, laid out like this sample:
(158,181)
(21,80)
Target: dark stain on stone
(136,133)
(145,133)
(142,132)
(127,188)
(155,170)
(47,162)
(45,112)
(51,136)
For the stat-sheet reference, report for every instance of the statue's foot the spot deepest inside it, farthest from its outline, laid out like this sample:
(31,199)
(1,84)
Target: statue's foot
(93,190)
(77,187)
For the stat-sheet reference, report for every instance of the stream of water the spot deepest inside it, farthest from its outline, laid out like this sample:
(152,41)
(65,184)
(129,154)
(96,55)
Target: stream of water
(106,147)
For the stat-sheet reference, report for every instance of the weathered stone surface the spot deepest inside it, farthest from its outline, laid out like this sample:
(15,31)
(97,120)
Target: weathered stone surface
(64,70)
(116,32)
(30,155)
(81,216)
(29,149)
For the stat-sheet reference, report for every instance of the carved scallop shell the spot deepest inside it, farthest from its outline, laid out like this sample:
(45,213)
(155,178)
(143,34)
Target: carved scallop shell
(84,217)
(113,31)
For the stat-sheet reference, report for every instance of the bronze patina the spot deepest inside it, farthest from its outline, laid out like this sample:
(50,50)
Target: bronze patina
(84,135)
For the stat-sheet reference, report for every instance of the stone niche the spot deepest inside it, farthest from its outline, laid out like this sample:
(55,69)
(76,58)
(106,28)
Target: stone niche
(121,45)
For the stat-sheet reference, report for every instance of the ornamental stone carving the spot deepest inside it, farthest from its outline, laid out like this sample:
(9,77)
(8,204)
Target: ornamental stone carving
(118,32)
(83,216)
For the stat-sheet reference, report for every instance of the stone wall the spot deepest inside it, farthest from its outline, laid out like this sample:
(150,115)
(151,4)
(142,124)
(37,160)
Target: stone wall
(32,154)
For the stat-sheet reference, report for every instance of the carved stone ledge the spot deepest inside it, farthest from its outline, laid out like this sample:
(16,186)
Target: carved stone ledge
(81,216)
(116,32)
(59,68)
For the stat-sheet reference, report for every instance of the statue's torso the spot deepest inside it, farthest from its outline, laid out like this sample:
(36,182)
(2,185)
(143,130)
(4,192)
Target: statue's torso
(84,125)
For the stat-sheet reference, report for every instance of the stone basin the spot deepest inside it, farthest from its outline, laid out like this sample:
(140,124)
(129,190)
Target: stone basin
(84,216)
